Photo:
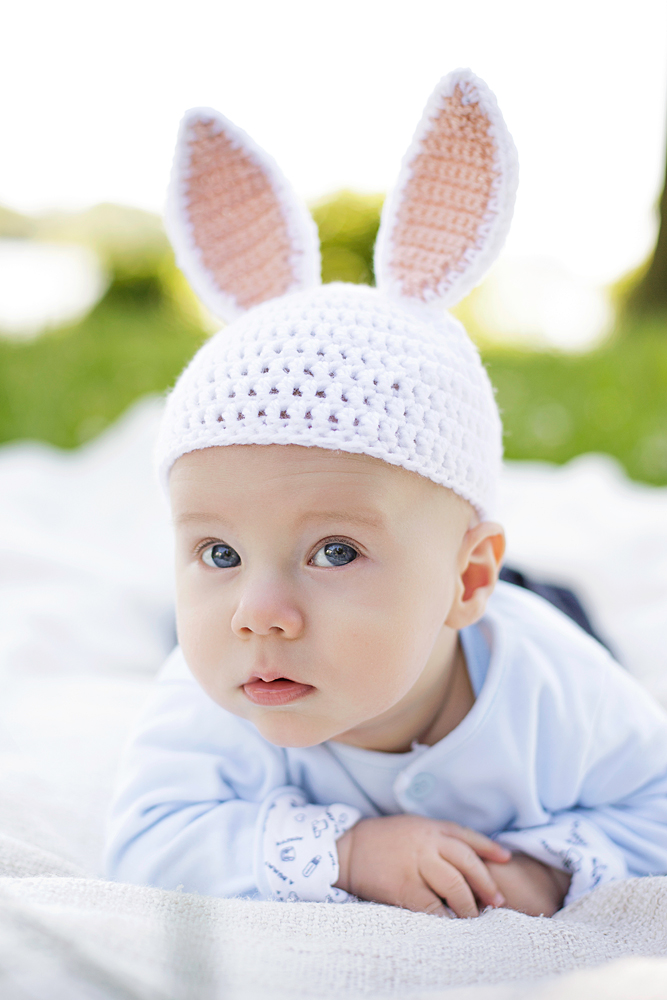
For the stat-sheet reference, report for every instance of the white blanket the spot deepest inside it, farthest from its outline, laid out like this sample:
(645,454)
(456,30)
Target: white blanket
(86,617)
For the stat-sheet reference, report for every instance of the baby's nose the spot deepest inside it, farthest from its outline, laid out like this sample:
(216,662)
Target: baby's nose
(267,608)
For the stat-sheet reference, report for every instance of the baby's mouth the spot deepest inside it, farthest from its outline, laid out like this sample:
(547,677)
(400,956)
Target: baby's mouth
(280,691)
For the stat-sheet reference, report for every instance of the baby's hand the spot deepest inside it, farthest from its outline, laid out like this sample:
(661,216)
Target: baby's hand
(531,887)
(420,864)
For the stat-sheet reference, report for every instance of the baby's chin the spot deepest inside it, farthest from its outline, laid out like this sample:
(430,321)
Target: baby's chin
(294,731)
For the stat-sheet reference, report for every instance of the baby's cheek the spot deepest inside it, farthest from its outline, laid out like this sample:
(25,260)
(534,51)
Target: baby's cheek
(202,638)
(372,684)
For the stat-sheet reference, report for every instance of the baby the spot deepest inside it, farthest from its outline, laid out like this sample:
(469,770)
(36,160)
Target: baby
(356,708)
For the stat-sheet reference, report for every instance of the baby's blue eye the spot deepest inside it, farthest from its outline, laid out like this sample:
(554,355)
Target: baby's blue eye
(221,556)
(334,554)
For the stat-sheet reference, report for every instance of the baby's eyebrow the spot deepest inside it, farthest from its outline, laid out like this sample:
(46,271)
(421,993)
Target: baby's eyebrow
(349,516)
(346,516)
(189,516)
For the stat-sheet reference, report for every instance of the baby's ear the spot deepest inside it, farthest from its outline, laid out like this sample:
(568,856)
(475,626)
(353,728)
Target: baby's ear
(446,221)
(480,558)
(240,234)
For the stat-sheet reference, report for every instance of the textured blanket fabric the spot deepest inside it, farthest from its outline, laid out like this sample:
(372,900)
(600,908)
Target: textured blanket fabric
(117,940)
(86,615)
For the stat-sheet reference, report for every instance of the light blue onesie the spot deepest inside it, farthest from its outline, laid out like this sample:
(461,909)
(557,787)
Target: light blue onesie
(563,756)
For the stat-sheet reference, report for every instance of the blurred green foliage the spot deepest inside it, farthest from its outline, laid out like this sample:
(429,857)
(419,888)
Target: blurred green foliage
(348,224)
(70,383)
(612,399)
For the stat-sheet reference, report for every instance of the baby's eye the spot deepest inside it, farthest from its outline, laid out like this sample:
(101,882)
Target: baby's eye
(334,554)
(221,556)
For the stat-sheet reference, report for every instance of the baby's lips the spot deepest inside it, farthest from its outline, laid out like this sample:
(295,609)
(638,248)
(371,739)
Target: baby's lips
(269,677)
(275,693)
(279,684)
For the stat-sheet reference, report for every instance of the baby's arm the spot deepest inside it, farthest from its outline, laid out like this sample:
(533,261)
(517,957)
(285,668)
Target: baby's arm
(192,784)
(422,864)
(618,826)
(205,804)
(176,823)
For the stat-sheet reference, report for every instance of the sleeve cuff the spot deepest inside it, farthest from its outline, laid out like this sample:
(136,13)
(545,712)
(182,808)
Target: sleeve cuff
(574,845)
(295,852)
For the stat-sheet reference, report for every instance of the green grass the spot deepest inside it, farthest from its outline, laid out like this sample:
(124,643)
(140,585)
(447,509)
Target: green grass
(613,400)
(69,384)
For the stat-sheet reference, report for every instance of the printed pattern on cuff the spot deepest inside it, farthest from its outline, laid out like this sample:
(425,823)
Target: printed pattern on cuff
(298,860)
(574,845)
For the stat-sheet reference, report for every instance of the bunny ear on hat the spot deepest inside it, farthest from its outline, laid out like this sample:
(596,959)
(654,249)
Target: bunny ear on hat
(446,221)
(240,234)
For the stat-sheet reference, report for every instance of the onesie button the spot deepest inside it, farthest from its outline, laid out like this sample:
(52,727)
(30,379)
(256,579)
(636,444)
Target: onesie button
(421,786)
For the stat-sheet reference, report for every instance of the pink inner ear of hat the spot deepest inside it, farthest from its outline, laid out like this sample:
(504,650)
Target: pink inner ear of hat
(446,199)
(236,218)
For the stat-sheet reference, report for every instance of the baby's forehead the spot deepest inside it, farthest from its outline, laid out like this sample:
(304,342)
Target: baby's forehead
(293,479)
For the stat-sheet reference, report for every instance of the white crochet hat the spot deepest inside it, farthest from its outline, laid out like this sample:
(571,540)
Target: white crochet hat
(383,371)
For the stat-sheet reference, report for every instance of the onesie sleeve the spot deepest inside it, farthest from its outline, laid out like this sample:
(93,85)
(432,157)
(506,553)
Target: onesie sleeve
(573,844)
(296,856)
(204,804)
(616,824)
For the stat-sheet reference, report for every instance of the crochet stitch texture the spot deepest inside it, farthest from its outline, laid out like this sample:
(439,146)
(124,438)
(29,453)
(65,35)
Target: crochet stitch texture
(383,372)
(342,367)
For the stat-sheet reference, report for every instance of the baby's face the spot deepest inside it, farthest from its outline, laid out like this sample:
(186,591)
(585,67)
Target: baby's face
(313,586)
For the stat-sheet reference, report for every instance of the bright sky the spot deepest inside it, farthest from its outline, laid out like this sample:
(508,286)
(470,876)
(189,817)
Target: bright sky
(91,94)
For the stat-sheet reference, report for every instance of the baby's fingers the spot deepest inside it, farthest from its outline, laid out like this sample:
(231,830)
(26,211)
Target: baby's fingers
(450,885)
(473,870)
(482,845)
(422,900)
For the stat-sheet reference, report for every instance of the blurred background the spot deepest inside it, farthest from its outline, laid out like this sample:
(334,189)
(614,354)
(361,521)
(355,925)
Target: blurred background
(571,321)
